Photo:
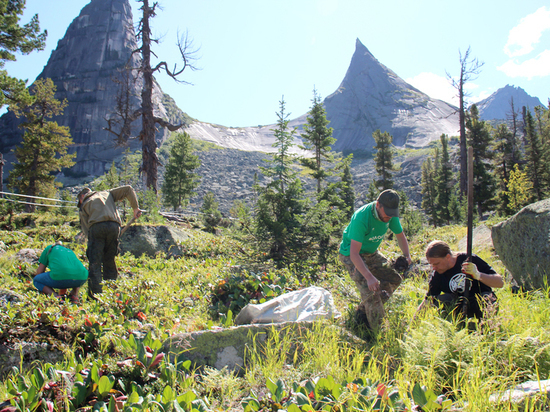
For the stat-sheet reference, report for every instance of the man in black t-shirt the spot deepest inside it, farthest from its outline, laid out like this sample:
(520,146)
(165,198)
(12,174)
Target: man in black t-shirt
(447,282)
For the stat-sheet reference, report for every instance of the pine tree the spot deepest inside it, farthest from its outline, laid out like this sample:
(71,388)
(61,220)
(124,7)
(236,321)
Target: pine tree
(519,189)
(534,153)
(179,179)
(384,159)
(280,204)
(317,138)
(211,216)
(444,183)
(145,72)
(480,139)
(15,38)
(348,192)
(429,191)
(44,147)
(506,151)
(372,192)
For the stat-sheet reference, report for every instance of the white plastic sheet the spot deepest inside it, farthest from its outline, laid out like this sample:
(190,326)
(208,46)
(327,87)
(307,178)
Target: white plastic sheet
(302,305)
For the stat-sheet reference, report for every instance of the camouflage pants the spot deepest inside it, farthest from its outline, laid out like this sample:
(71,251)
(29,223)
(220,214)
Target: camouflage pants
(101,252)
(372,303)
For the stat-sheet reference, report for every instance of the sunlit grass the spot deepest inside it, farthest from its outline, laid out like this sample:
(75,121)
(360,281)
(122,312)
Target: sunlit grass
(168,296)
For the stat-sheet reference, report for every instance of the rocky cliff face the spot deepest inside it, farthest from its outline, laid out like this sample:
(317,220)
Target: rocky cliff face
(372,97)
(96,46)
(497,106)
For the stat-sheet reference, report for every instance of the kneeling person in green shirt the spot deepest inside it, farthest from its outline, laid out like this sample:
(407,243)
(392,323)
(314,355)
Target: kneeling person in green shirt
(66,271)
(370,270)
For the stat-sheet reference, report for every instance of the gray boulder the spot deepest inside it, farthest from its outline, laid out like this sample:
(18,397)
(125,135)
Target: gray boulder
(523,244)
(29,256)
(481,240)
(226,348)
(26,353)
(150,240)
(8,296)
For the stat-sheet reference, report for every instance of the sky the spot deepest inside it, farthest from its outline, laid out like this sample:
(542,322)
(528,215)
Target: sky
(254,53)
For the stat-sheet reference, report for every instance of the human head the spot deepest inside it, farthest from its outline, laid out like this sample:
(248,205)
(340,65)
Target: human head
(389,200)
(81,195)
(440,256)
(437,249)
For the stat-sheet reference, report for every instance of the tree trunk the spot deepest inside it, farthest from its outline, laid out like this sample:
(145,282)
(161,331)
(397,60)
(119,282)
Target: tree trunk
(148,143)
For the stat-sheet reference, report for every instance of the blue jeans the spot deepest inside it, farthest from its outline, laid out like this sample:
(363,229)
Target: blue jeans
(44,279)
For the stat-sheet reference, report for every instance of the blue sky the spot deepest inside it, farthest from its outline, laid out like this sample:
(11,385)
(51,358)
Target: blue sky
(253,52)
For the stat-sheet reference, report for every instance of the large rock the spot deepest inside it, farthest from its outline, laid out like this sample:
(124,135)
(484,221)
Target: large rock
(150,240)
(228,347)
(25,354)
(523,244)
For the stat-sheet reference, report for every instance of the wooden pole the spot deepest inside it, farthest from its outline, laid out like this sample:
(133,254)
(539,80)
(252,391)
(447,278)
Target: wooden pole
(469,239)
(2,175)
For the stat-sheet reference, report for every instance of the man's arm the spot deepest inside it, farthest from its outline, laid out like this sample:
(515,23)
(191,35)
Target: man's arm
(41,269)
(493,280)
(127,192)
(404,246)
(359,263)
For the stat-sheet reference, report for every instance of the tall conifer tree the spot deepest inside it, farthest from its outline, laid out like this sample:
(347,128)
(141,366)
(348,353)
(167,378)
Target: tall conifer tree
(180,180)
(480,139)
(45,144)
(317,138)
(444,183)
(534,154)
(384,159)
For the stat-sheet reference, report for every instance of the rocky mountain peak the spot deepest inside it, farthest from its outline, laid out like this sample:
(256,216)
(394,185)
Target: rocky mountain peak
(96,47)
(498,105)
(372,97)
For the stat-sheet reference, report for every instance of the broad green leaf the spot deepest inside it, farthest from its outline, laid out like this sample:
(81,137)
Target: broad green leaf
(251,405)
(272,386)
(134,397)
(95,374)
(418,395)
(187,397)
(168,394)
(106,383)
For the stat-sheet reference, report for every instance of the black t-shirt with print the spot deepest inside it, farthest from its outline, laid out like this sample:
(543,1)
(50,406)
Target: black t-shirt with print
(452,280)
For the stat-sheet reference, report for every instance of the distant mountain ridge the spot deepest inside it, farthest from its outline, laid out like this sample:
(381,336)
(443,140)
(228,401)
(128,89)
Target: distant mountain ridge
(101,39)
(370,97)
(498,105)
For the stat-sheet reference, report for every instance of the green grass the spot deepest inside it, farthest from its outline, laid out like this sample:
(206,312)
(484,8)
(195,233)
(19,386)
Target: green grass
(328,364)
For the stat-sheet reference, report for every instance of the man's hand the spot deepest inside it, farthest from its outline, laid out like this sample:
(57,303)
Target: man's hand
(470,268)
(137,213)
(373,283)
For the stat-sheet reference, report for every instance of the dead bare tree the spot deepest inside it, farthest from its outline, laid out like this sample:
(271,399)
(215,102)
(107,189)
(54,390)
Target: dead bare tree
(469,70)
(121,127)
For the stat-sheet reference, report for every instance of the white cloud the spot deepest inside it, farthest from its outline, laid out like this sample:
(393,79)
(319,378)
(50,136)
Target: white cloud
(438,87)
(536,67)
(435,86)
(527,33)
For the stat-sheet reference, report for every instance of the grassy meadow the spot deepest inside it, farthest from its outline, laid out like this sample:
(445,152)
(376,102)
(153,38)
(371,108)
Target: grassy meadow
(426,363)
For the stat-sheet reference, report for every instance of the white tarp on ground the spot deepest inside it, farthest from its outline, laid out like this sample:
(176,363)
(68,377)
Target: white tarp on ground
(302,305)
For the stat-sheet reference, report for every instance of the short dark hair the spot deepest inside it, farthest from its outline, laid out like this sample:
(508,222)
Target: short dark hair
(438,249)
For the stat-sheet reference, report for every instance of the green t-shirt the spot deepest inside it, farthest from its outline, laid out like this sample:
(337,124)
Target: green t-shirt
(63,263)
(367,229)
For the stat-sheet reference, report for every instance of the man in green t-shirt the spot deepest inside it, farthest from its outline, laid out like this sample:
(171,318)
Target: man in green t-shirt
(371,271)
(66,271)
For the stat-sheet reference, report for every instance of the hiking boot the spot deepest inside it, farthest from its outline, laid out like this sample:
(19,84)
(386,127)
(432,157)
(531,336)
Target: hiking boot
(361,319)
(74,299)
